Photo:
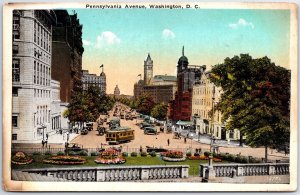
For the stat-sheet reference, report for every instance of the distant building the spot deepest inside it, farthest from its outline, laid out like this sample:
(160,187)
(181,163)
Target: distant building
(67,53)
(148,70)
(160,87)
(117,91)
(56,114)
(205,96)
(94,80)
(31,75)
(181,107)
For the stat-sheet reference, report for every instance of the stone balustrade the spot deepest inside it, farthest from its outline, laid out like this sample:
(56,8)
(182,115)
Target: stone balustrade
(232,170)
(115,173)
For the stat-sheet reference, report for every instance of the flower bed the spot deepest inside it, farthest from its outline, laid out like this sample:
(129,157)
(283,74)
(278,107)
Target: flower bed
(65,160)
(110,156)
(21,159)
(198,157)
(173,156)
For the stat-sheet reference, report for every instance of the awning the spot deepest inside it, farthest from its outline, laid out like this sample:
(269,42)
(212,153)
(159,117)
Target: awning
(184,123)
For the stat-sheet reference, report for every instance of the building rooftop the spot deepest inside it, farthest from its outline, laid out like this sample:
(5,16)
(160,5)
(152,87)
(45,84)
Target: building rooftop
(165,77)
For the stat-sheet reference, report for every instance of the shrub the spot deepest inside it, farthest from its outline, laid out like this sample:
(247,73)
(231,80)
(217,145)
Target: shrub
(94,153)
(83,153)
(244,159)
(133,154)
(36,153)
(48,153)
(144,154)
(196,154)
(60,153)
(153,154)
(72,153)
(206,153)
(238,159)
(188,154)
(230,157)
(124,154)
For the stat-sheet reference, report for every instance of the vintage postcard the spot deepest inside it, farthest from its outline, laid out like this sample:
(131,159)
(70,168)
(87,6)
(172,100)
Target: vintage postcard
(150,97)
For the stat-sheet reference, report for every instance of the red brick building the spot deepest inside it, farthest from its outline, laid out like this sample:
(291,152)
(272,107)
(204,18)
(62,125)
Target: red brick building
(181,107)
(67,49)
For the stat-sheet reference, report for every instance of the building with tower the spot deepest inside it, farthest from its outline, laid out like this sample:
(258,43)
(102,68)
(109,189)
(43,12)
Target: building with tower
(148,70)
(160,87)
(181,107)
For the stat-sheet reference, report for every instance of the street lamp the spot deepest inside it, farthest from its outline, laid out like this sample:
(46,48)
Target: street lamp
(212,118)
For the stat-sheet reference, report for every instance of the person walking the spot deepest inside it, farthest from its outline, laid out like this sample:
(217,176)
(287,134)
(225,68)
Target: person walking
(47,136)
(168,142)
(43,143)
(185,140)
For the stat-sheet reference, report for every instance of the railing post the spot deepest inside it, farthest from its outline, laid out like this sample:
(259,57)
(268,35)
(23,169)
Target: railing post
(271,169)
(100,175)
(144,173)
(184,172)
(240,170)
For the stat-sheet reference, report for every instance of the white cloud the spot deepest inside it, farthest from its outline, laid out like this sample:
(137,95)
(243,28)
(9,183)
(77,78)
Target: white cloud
(168,34)
(241,23)
(86,42)
(107,38)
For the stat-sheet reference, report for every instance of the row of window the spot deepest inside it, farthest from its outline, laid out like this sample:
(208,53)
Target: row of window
(41,36)
(202,90)
(41,93)
(56,122)
(202,102)
(44,56)
(42,115)
(16,70)
(16,26)
(41,74)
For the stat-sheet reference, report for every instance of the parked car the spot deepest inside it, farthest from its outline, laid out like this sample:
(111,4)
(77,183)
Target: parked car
(150,131)
(89,126)
(84,131)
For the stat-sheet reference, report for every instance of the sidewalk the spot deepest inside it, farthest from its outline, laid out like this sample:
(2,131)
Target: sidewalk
(58,138)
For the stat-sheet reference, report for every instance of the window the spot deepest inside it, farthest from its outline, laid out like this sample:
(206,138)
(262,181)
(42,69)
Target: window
(15,121)
(34,73)
(15,91)
(16,70)
(16,26)
(14,136)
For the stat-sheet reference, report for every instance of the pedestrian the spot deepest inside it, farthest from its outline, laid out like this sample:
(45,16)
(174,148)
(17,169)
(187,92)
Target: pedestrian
(168,142)
(47,136)
(185,140)
(46,142)
(43,143)
(141,149)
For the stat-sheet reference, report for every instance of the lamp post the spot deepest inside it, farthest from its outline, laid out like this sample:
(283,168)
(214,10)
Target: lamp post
(212,118)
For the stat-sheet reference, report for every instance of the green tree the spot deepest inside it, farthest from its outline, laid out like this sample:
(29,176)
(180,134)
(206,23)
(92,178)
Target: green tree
(160,111)
(256,99)
(145,104)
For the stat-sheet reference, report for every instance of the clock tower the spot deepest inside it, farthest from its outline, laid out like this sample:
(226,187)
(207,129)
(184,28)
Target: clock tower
(148,70)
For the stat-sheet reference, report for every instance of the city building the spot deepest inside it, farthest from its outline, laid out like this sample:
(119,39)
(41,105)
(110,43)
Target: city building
(117,91)
(94,80)
(67,53)
(148,70)
(160,87)
(31,74)
(56,114)
(181,107)
(205,96)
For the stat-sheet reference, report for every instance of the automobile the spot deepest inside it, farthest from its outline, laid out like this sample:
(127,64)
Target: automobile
(143,125)
(89,126)
(127,117)
(84,131)
(150,131)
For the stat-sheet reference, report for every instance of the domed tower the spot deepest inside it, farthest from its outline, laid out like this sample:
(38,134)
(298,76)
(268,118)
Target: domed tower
(182,62)
(148,70)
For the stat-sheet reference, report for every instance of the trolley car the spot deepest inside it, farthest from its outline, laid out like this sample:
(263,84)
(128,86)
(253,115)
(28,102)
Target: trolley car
(119,135)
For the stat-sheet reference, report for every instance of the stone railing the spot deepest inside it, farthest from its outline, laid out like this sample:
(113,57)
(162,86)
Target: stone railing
(117,173)
(232,170)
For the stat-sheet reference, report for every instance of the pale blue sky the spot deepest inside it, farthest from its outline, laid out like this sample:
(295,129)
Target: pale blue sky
(121,39)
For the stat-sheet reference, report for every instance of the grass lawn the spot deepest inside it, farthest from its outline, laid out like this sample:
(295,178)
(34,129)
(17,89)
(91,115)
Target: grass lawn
(38,163)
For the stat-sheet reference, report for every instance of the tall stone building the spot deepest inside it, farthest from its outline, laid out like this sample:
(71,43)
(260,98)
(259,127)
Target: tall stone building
(94,80)
(67,53)
(160,87)
(148,70)
(205,96)
(31,74)
(181,107)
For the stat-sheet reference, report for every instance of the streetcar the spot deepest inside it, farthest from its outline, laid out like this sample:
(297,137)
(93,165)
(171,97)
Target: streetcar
(119,135)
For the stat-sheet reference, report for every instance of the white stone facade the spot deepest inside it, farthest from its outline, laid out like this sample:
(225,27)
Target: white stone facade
(94,80)
(205,96)
(31,76)
(55,106)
